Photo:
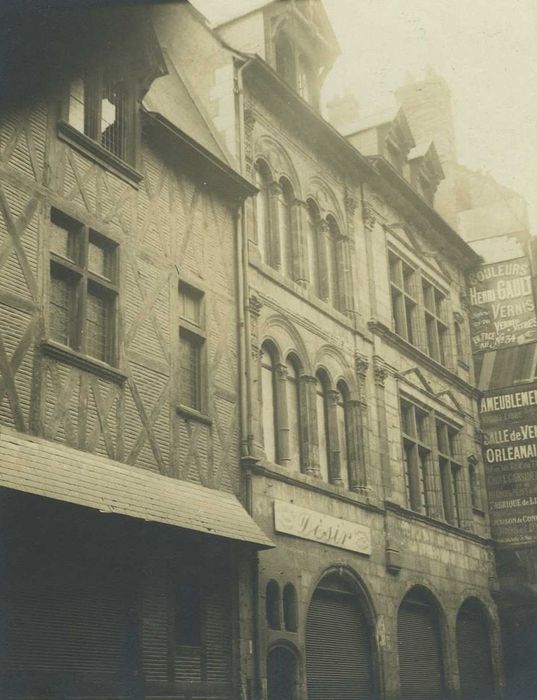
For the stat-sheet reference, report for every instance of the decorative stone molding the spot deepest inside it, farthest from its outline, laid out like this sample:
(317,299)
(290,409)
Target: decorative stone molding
(380,371)
(281,370)
(255,306)
(361,365)
(249,123)
(369,217)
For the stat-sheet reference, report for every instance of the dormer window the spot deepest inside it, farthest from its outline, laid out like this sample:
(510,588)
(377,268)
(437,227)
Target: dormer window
(285,60)
(103,107)
(296,69)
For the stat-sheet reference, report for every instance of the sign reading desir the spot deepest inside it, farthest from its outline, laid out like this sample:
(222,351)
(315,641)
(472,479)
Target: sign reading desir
(502,307)
(318,527)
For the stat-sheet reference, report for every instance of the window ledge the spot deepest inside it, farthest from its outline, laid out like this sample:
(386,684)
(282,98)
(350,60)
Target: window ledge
(95,152)
(304,481)
(85,362)
(433,522)
(415,353)
(192,414)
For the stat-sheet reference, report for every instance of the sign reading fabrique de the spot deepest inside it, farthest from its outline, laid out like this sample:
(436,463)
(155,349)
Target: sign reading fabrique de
(509,419)
(502,306)
(318,527)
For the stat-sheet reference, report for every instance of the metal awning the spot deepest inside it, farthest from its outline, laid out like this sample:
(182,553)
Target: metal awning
(50,469)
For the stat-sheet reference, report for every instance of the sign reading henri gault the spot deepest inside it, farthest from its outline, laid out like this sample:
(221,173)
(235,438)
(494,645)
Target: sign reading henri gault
(502,309)
(509,418)
(311,525)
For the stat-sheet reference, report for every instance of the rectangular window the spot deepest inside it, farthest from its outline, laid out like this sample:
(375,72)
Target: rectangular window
(450,472)
(416,456)
(402,284)
(436,327)
(104,108)
(82,295)
(191,348)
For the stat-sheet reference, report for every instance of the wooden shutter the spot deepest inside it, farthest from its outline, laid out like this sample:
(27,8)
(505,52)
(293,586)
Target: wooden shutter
(420,659)
(473,650)
(338,653)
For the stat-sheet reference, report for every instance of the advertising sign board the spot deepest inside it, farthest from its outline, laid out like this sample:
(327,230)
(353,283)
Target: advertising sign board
(502,310)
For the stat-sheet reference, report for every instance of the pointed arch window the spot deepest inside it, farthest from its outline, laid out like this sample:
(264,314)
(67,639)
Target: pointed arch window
(313,247)
(293,413)
(268,395)
(262,210)
(322,424)
(343,431)
(285,226)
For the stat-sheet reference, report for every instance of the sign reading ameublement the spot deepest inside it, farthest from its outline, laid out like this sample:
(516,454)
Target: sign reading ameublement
(509,419)
(502,310)
(318,527)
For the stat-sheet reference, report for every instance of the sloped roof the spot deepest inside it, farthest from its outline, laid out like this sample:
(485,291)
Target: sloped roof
(219,12)
(170,97)
(44,468)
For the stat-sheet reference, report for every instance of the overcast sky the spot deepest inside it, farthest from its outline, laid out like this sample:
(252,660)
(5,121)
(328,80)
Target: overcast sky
(486,50)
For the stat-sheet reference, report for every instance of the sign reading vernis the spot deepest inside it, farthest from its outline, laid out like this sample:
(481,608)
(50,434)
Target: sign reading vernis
(502,310)
(509,419)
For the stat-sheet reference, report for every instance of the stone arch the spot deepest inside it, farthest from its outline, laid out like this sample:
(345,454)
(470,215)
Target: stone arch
(287,339)
(337,366)
(326,200)
(281,165)
(476,645)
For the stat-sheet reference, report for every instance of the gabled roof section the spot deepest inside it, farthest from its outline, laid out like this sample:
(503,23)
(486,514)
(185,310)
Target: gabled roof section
(415,377)
(170,97)
(449,399)
(220,12)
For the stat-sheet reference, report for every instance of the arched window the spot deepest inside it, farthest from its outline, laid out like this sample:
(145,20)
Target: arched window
(343,431)
(268,397)
(272,605)
(290,611)
(286,227)
(262,210)
(322,424)
(333,264)
(285,59)
(313,247)
(293,413)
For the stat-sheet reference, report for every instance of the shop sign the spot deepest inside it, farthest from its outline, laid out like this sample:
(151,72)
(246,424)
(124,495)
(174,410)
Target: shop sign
(502,310)
(509,420)
(318,527)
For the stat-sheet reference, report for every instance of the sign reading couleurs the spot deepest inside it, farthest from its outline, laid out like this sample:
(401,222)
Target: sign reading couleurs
(509,419)
(502,310)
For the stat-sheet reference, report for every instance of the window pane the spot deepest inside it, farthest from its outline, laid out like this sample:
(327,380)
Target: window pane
(190,371)
(99,260)
(62,241)
(97,323)
(321,430)
(188,612)
(62,307)
(342,437)
(261,211)
(313,251)
(284,213)
(267,393)
(113,127)
(293,416)
(76,104)
(190,306)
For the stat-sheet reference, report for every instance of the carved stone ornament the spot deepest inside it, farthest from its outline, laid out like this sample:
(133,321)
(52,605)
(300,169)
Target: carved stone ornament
(380,371)
(361,365)
(255,306)
(249,120)
(369,217)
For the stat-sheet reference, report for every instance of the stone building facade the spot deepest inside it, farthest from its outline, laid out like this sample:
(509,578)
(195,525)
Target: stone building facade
(301,345)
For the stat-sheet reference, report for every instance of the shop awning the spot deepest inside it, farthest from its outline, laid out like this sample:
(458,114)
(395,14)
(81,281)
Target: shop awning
(50,469)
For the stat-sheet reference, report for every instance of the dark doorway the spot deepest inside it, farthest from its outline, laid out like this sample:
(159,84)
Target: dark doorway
(281,674)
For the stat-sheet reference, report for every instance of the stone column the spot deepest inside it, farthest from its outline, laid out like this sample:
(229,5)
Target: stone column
(380,374)
(334,460)
(282,419)
(273,232)
(299,245)
(309,440)
(356,448)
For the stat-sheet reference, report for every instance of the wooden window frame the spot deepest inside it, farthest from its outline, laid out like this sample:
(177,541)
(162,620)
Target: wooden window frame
(451,472)
(194,333)
(436,327)
(83,278)
(403,297)
(417,457)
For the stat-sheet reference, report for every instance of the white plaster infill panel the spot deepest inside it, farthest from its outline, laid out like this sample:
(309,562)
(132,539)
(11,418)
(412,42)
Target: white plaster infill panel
(318,527)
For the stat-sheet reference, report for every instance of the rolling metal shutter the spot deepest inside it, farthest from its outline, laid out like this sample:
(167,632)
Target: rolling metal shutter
(420,659)
(473,649)
(70,619)
(338,652)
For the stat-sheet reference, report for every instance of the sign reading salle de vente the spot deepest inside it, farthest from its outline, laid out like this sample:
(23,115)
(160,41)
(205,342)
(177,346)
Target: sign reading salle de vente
(509,419)
(502,311)
(318,527)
